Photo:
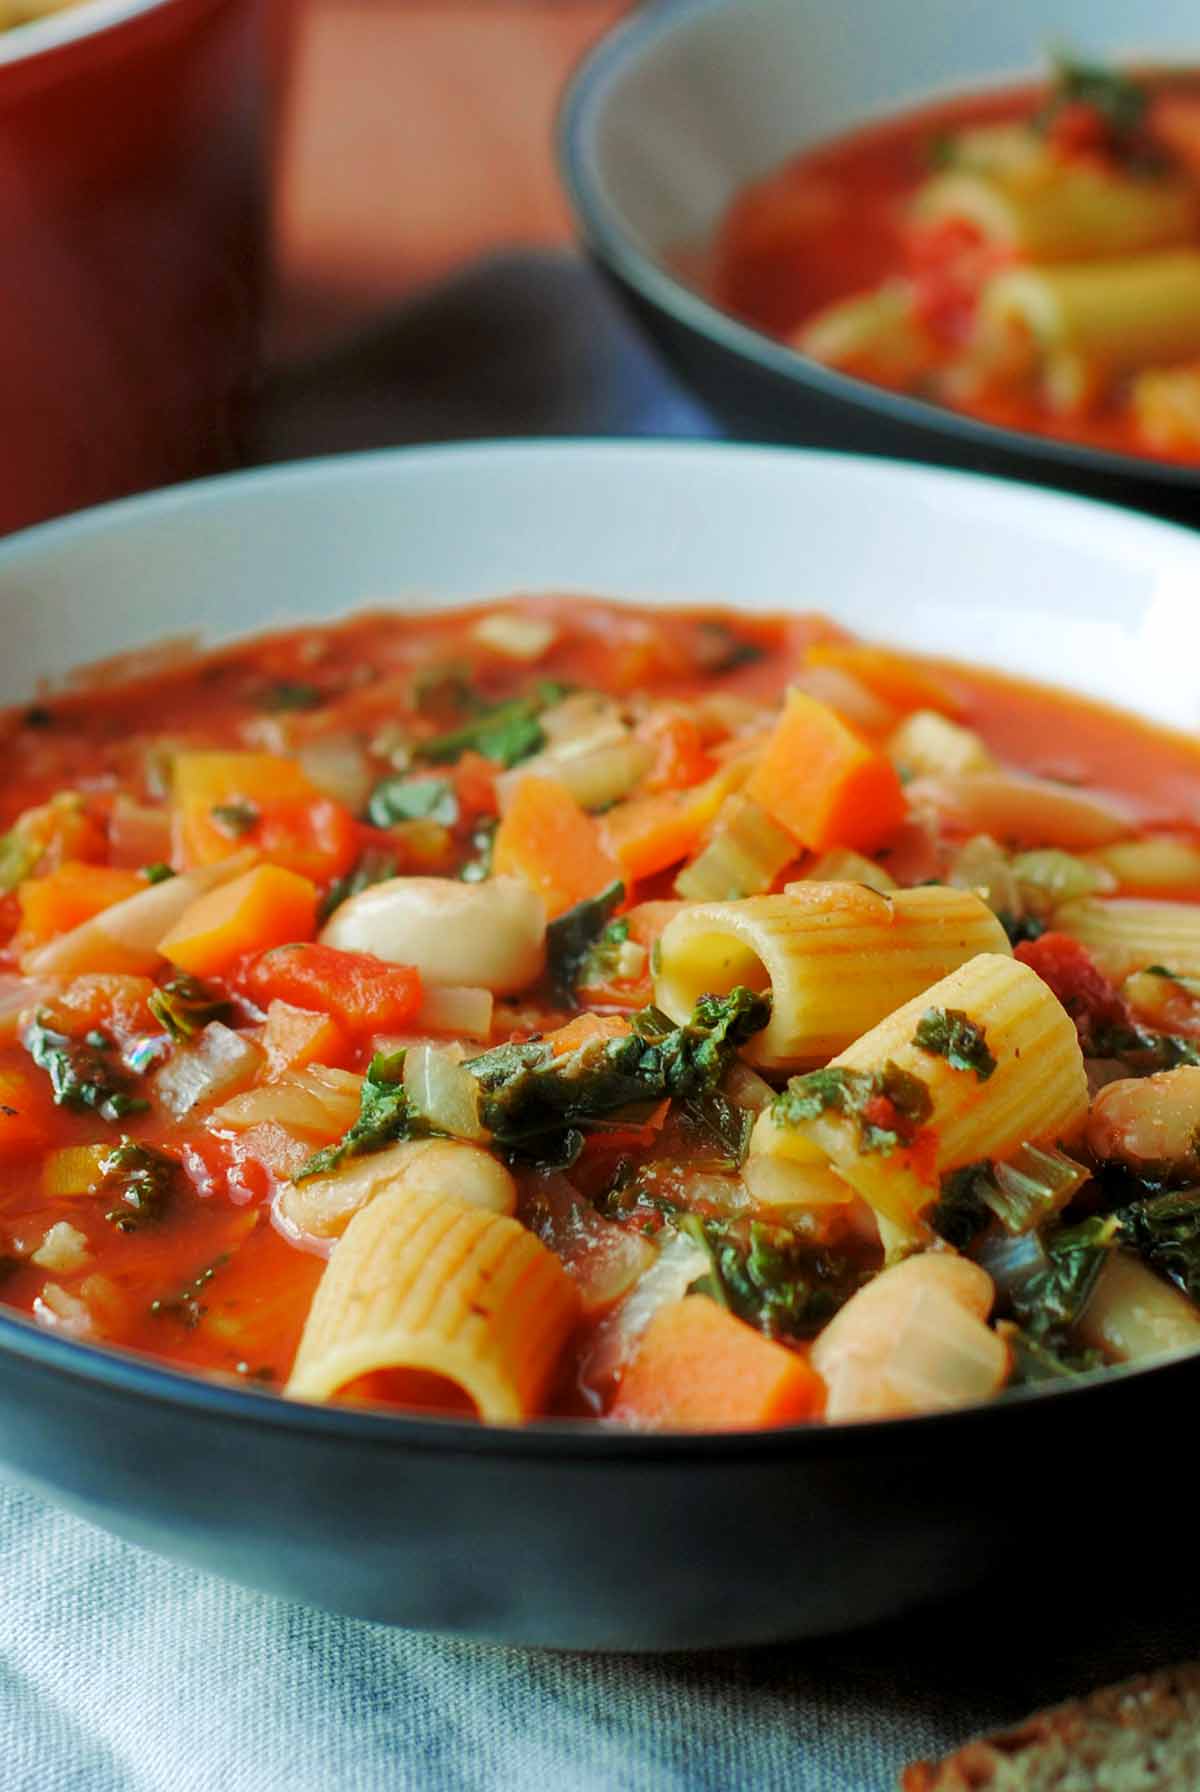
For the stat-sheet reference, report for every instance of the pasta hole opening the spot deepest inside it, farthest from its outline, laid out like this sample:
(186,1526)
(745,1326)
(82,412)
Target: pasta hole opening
(710,964)
(410,1390)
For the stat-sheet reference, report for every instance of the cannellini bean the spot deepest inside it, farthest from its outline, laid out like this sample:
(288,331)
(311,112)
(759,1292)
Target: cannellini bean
(913,1340)
(322,1207)
(491,935)
(1134,1314)
(1151,1124)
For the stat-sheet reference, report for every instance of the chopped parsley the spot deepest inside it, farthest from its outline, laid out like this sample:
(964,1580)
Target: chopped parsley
(292,693)
(949,1033)
(399,799)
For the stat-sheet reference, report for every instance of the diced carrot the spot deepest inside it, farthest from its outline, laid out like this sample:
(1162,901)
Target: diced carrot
(698,1368)
(824,782)
(262,908)
(649,833)
(226,801)
(74,893)
(680,758)
(295,1037)
(546,838)
(583,1029)
(360,992)
(22,1111)
(111,1001)
(894,677)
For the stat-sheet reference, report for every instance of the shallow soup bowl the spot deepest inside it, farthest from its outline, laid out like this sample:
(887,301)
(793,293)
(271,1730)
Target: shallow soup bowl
(571,1534)
(685,103)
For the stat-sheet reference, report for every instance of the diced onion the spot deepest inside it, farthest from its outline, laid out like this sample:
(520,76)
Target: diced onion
(443,1092)
(781,1182)
(679,1263)
(1133,1314)
(604,1259)
(64,1249)
(595,778)
(299,1102)
(219,1062)
(459,1009)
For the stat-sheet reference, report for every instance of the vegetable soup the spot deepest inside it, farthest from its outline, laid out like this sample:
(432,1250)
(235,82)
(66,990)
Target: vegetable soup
(1029,258)
(674,1019)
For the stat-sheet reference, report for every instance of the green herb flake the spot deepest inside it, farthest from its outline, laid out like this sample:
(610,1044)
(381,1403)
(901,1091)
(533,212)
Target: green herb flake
(1164,1230)
(889,1106)
(292,694)
(504,732)
(373,867)
(949,1033)
(235,820)
(400,799)
(183,1006)
(157,873)
(187,1306)
(1049,1304)
(142,1178)
(384,1116)
(572,939)
(83,1072)
(768,1276)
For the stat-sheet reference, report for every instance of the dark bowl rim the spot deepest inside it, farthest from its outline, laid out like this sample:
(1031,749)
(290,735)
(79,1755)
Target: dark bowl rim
(601,229)
(126,1373)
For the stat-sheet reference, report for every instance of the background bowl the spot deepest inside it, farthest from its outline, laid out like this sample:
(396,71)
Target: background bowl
(133,143)
(556,1533)
(682,105)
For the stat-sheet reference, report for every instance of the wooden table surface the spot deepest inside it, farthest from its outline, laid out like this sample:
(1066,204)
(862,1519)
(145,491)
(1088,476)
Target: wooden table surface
(418,136)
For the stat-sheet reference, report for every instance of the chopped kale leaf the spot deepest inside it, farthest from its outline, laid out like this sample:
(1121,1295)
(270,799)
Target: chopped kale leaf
(1020,928)
(767,1276)
(889,1106)
(1049,1303)
(413,799)
(1140,1048)
(506,732)
(571,938)
(157,873)
(184,1005)
(1118,100)
(384,1116)
(84,1073)
(1044,1359)
(949,1033)
(1165,1232)
(142,1179)
(962,1211)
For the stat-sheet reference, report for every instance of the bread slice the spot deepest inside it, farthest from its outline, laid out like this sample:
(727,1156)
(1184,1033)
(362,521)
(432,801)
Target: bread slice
(1140,1736)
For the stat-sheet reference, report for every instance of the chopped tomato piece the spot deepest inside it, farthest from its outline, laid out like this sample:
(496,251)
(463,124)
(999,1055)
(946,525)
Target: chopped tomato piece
(362,993)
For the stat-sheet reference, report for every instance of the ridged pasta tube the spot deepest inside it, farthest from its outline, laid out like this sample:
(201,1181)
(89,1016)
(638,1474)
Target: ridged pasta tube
(1036,1091)
(1125,934)
(1099,319)
(836,957)
(422,1284)
(1063,212)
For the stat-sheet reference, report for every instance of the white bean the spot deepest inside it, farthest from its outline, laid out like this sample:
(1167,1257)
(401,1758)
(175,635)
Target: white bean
(491,935)
(322,1207)
(1151,1124)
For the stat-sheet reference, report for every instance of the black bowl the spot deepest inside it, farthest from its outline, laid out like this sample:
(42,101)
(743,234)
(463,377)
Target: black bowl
(577,1538)
(682,104)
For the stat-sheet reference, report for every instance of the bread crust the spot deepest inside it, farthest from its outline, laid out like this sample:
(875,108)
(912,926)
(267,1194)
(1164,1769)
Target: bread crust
(1152,1719)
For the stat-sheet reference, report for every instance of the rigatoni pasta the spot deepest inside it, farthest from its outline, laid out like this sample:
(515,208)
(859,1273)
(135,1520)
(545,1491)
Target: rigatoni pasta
(354,1046)
(835,958)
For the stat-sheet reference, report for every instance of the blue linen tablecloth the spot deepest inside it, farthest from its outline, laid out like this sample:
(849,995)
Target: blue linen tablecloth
(124,1673)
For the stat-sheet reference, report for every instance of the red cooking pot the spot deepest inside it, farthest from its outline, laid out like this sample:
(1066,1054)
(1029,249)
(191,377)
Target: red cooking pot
(133,162)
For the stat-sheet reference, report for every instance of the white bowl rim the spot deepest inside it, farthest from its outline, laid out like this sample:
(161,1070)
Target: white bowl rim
(72,24)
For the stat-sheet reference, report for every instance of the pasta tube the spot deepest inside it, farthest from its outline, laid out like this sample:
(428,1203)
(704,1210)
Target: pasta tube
(1159,867)
(1062,212)
(836,958)
(1094,320)
(1027,1086)
(423,1286)
(1128,934)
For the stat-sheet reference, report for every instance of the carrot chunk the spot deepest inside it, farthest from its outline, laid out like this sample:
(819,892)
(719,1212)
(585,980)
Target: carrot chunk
(295,1037)
(546,838)
(69,896)
(698,1368)
(23,1118)
(824,782)
(225,801)
(262,908)
(362,993)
